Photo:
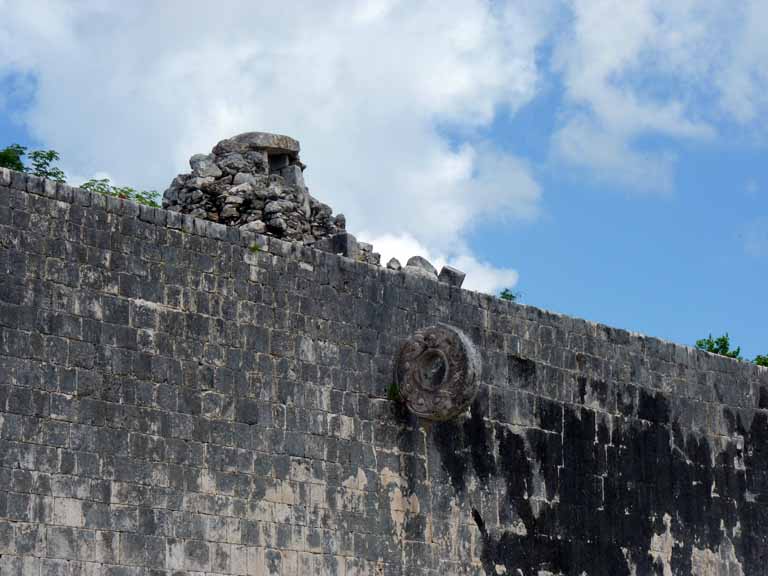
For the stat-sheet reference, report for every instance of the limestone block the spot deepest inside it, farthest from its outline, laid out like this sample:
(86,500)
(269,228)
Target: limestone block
(451,276)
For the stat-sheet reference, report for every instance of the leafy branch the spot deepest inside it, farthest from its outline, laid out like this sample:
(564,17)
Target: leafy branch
(42,162)
(104,186)
(43,166)
(722,346)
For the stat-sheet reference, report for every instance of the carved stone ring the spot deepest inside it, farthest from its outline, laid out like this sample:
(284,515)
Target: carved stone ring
(437,372)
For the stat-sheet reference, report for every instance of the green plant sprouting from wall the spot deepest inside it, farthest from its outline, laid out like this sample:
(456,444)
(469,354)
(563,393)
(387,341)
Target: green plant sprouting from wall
(393,392)
(509,295)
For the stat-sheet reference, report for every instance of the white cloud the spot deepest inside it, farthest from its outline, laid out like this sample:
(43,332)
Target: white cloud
(653,68)
(136,88)
(610,157)
(744,80)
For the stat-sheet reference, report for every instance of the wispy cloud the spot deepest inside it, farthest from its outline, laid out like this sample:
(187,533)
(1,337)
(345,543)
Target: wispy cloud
(673,71)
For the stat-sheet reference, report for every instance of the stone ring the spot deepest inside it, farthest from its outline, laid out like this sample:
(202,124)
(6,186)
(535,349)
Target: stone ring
(437,372)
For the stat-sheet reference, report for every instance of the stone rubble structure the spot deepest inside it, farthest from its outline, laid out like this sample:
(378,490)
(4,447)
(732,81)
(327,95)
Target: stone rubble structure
(255,181)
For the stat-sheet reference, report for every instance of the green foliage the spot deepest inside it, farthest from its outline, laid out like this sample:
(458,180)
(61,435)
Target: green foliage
(103,186)
(510,296)
(393,392)
(42,161)
(255,248)
(10,157)
(42,165)
(721,346)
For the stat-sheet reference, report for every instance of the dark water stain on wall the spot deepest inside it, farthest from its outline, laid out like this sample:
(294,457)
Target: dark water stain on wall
(612,484)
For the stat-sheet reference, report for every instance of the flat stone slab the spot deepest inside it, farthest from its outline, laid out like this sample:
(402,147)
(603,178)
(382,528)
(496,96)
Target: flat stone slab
(275,143)
(452,276)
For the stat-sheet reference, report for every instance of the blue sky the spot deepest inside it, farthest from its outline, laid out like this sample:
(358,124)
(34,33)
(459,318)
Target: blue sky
(606,159)
(679,264)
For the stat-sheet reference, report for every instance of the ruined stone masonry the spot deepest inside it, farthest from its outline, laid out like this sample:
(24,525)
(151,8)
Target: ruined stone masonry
(174,401)
(255,181)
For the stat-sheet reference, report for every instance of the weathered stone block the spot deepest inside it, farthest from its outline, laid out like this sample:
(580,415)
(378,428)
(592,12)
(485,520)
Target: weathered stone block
(18,181)
(452,276)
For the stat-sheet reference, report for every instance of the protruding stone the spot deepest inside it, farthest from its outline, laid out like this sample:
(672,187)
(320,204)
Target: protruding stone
(277,225)
(293,176)
(367,254)
(394,264)
(232,163)
(230,211)
(203,165)
(420,265)
(200,182)
(437,372)
(244,178)
(347,244)
(344,244)
(305,206)
(452,276)
(274,143)
(257,227)
(5,177)
(277,206)
(241,189)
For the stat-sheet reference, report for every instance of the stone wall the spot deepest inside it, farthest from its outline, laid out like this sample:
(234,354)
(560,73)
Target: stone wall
(182,397)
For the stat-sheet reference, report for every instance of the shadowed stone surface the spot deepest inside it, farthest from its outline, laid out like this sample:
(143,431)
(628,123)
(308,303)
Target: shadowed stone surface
(182,397)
